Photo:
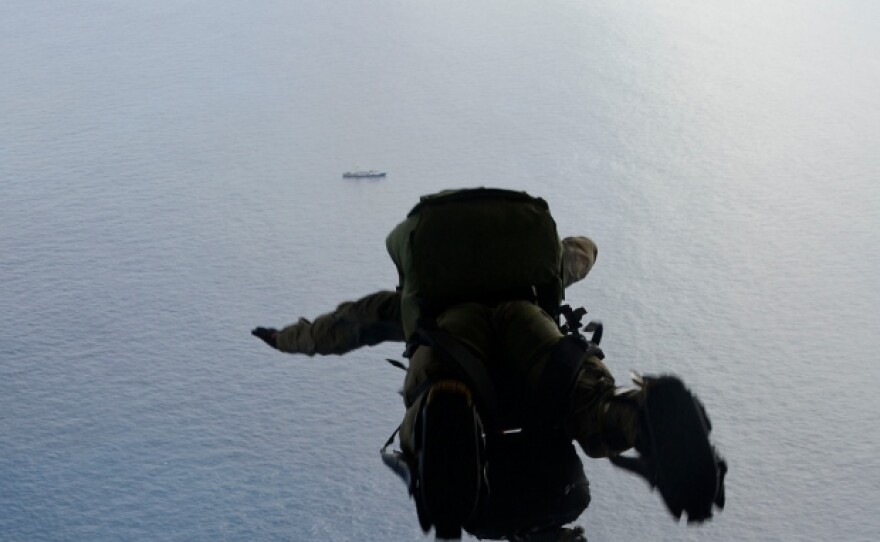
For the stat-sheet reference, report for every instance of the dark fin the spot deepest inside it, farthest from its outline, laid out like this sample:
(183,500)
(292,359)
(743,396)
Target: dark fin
(676,454)
(562,534)
(449,461)
(635,465)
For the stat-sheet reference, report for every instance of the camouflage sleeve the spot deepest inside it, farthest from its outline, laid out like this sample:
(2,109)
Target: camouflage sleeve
(578,256)
(370,320)
(602,421)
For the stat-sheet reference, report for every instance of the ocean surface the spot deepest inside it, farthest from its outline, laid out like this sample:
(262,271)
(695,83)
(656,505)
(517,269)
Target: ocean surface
(170,177)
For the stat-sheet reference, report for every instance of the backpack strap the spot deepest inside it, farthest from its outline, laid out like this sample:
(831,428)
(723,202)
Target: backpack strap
(556,384)
(471,368)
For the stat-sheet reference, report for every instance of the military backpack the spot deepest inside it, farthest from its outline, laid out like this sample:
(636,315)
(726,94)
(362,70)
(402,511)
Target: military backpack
(475,245)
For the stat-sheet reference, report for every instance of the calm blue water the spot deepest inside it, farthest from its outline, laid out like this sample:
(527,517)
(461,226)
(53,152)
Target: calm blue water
(170,177)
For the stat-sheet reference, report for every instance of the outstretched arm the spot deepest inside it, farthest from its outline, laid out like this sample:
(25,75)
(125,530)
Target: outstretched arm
(370,320)
(376,318)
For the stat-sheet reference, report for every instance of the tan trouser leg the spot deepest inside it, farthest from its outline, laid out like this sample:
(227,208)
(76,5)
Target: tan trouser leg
(603,424)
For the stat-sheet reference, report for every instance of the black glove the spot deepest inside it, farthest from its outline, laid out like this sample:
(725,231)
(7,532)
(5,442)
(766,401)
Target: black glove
(675,453)
(268,334)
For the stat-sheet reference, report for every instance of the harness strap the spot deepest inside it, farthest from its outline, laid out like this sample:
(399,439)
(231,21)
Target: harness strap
(472,368)
(557,382)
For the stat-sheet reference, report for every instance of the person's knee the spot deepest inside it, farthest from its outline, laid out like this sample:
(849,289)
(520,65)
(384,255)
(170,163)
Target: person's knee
(471,324)
(527,335)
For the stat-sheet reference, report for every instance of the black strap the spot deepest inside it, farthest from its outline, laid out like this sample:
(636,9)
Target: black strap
(472,368)
(397,462)
(390,439)
(556,384)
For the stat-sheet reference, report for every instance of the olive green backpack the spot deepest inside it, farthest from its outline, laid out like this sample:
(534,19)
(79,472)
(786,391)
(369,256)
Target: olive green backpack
(482,244)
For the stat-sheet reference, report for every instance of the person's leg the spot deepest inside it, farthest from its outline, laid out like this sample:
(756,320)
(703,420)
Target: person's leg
(424,367)
(602,423)
(526,335)
(441,430)
(471,324)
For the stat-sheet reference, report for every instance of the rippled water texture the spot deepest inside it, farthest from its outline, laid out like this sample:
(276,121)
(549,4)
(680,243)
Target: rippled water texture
(170,176)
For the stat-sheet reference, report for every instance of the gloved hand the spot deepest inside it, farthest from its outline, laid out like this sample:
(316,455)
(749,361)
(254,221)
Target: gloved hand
(268,334)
